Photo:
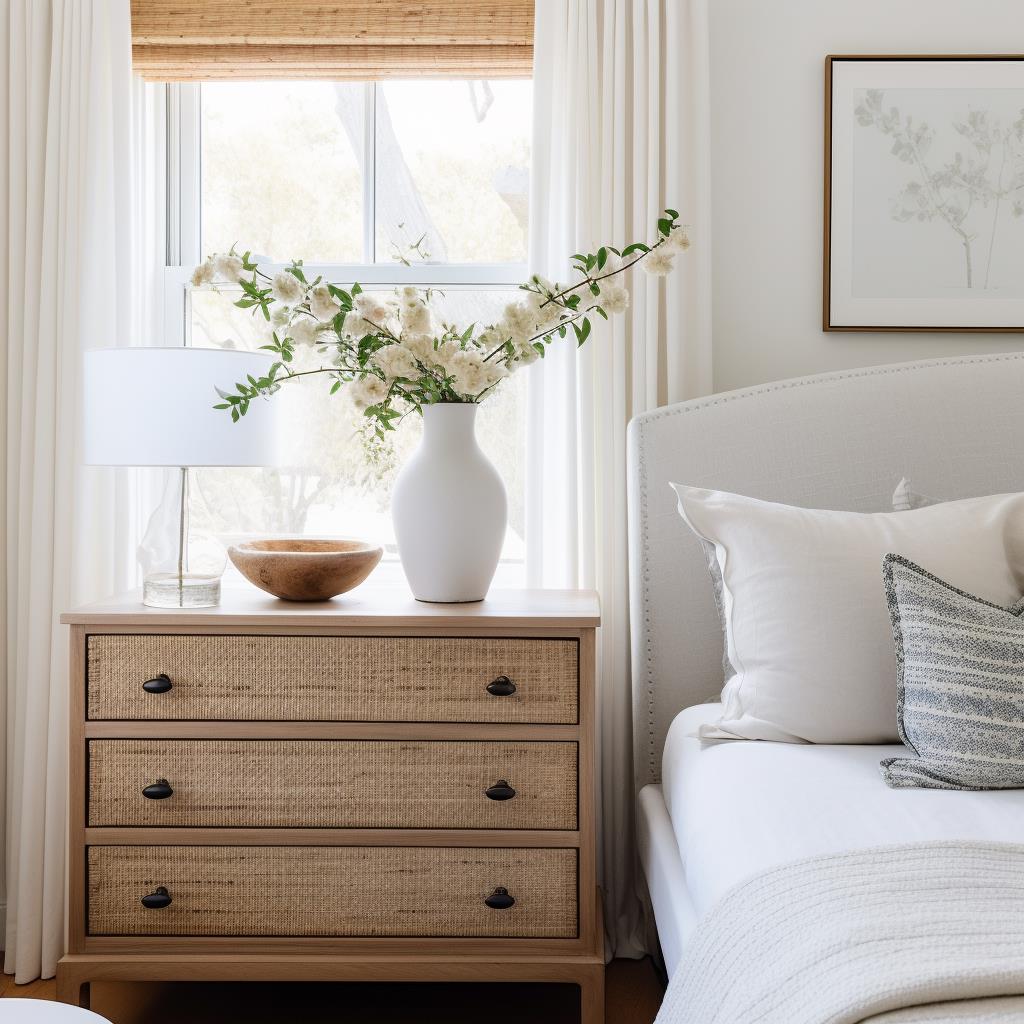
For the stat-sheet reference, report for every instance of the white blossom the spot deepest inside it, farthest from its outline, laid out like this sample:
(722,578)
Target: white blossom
(615,299)
(286,288)
(471,374)
(370,390)
(658,263)
(415,317)
(525,355)
(372,309)
(519,321)
(303,331)
(677,241)
(322,304)
(396,361)
(203,274)
(228,267)
(280,316)
(420,347)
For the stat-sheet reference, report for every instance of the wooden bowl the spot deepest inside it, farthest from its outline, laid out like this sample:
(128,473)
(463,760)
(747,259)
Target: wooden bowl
(305,568)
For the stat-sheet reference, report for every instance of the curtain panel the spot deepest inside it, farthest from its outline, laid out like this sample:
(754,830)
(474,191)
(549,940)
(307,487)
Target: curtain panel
(621,130)
(68,282)
(361,40)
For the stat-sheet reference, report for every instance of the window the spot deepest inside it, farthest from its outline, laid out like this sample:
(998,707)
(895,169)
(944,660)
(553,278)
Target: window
(404,182)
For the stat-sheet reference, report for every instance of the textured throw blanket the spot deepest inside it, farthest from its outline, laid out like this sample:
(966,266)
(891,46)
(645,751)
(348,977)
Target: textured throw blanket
(925,933)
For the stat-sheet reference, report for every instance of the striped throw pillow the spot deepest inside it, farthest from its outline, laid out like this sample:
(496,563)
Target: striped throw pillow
(960,684)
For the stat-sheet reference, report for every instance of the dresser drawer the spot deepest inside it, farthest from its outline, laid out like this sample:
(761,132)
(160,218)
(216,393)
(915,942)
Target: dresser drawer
(332,891)
(333,783)
(333,679)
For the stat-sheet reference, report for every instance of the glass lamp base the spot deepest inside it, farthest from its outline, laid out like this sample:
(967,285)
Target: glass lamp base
(169,590)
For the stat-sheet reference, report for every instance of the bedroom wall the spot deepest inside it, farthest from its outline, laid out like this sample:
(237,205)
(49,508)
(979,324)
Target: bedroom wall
(767,68)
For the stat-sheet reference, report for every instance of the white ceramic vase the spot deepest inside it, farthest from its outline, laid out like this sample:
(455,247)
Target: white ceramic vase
(449,510)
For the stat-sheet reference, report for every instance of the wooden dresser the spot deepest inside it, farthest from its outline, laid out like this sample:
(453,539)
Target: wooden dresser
(371,789)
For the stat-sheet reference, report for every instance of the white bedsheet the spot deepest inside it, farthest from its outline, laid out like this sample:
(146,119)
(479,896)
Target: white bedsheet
(741,806)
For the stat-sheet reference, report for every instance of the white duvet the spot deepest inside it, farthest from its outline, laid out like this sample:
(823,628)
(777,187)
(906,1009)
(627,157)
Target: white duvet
(740,807)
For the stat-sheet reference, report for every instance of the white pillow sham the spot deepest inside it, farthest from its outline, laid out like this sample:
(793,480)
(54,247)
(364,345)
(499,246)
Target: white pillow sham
(807,626)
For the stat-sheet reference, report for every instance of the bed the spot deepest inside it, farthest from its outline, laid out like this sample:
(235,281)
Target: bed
(712,816)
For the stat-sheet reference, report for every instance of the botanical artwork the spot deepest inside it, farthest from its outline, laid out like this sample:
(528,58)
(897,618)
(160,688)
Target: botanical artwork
(939,192)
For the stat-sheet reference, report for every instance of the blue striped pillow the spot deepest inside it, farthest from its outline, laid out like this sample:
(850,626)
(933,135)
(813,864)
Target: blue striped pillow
(960,696)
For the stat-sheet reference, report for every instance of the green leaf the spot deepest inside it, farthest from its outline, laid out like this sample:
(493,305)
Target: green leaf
(674,214)
(335,386)
(222,405)
(602,257)
(234,415)
(601,311)
(591,262)
(356,288)
(595,288)
(665,226)
(635,247)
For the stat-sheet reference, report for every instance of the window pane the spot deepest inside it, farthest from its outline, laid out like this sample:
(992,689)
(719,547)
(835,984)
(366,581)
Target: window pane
(331,488)
(281,169)
(453,169)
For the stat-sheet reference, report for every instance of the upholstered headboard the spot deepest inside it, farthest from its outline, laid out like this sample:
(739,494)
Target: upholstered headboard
(954,427)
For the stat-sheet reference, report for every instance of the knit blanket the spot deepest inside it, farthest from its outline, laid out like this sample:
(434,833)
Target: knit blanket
(921,933)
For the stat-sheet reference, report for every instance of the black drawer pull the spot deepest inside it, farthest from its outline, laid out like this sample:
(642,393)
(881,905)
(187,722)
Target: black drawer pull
(157,899)
(500,899)
(159,790)
(501,790)
(158,684)
(501,687)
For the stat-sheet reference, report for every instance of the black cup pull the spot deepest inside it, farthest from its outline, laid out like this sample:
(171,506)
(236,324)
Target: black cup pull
(158,684)
(157,899)
(500,899)
(501,687)
(159,790)
(501,790)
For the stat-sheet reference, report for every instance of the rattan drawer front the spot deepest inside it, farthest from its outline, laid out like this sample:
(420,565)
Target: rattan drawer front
(323,678)
(333,783)
(332,891)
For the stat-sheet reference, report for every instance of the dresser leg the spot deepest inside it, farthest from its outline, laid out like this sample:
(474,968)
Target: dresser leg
(592,995)
(72,987)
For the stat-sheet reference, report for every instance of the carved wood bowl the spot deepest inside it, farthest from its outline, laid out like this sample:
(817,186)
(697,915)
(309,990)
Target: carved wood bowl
(305,569)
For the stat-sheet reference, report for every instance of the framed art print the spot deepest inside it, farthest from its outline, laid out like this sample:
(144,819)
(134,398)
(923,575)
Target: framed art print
(924,193)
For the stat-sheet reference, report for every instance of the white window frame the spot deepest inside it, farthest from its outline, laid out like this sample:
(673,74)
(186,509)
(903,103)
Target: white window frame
(184,229)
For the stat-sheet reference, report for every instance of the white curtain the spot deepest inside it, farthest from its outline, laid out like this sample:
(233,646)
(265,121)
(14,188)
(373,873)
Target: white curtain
(620,132)
(66,284)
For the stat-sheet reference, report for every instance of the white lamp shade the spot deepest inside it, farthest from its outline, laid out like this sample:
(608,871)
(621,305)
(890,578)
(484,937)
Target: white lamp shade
(154,407)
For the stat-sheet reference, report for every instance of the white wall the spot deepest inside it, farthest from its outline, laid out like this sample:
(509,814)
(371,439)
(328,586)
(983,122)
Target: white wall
(767,86)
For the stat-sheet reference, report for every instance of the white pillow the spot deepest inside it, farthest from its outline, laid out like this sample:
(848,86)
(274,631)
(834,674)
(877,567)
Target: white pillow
(807,626)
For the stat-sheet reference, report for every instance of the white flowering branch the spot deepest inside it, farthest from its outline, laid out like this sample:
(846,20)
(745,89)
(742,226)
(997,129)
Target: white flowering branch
(388,352)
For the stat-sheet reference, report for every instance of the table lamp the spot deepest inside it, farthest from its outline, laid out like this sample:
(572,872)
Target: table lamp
(154,407)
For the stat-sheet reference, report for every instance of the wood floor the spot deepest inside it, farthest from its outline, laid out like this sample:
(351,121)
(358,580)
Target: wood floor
(633,993)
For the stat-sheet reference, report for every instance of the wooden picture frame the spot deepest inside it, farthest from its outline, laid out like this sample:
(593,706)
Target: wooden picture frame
(929,150)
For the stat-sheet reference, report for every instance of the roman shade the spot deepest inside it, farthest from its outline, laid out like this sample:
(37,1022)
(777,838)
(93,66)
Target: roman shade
(202,40)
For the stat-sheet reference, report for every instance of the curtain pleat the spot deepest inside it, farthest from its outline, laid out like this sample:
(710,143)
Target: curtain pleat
(67,284)
(620,132)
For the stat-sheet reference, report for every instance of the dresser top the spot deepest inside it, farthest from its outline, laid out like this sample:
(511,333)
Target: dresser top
(391,606)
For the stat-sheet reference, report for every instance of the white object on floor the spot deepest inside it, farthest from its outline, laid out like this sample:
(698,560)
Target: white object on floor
(739,808)
(42,1011)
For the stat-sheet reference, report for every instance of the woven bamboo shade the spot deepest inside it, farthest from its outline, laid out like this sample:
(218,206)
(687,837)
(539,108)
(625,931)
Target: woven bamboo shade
(197,40)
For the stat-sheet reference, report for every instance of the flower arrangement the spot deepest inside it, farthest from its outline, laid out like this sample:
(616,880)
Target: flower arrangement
(391,355)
